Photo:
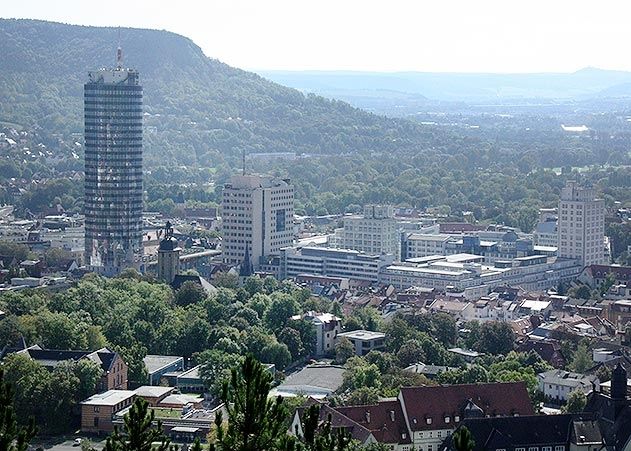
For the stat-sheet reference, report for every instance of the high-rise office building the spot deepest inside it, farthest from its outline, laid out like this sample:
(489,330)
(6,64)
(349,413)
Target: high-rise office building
(581,225)
(257,215)
(113,170)
(374,232)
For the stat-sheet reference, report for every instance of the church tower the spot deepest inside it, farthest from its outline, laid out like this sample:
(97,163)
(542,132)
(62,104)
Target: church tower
(168,256)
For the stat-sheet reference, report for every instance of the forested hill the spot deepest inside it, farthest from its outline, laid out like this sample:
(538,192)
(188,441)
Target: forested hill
(199,109)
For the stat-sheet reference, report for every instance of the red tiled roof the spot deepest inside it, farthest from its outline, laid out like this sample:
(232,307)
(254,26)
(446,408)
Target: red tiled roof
(385,420)
(437,403)
(452,227)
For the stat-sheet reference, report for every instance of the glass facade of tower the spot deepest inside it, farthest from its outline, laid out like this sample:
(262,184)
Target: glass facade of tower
(113,170)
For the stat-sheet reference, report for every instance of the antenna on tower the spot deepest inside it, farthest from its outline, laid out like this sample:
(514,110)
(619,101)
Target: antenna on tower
(243,160)
(119,52)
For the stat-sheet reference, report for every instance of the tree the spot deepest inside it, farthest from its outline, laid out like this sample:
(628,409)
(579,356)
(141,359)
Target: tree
(253,285)
(363,396)
(576,402)
(255,422)
(463,440)
(12,436)
(56,256)
(281,310)
(344,350)
(139,432)
(496,338)
(276,353)
(582,359)
(88,373)
(319,435)
(411,352)
(581,292)
(189,293)
(215,368)
(134,358)
(226,280)
(291,338)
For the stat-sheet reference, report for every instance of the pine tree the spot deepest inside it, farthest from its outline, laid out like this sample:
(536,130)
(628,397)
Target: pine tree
(139,433)
(463,440)
(12,437)
(319,436)
(255,423)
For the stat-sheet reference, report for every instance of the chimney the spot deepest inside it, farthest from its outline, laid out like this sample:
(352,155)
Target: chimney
(392,415)
(367,416)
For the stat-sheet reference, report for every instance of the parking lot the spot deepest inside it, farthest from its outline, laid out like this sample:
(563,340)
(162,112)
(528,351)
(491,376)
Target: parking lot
(68,444)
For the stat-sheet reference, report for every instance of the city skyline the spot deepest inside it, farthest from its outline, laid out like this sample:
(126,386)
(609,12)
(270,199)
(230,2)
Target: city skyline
(483,36)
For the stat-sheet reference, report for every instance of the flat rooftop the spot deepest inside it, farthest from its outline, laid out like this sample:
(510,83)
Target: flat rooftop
(362,335)
(109,398)
(157,362)
(153,391)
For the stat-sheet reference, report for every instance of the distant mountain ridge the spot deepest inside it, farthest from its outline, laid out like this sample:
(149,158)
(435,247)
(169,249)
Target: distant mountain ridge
(588,82)
(198,111)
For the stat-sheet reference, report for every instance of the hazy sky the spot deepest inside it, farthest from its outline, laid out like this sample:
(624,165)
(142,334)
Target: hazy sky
(387,35)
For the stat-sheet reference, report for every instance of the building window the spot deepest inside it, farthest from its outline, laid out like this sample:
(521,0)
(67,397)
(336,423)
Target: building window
(96,422)
(559,448)
(533,448)
(546,448)
(520,449)
(96,409)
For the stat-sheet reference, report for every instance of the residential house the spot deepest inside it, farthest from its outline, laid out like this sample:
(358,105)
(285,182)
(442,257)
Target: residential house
(114,376)
(420,418)
(548,350)
(365,341)
(613,411)
(532,433)
(327,327)
(557,385)
(98,411)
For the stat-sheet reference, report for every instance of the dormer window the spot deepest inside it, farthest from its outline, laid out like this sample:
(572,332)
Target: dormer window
(447,419)
(456,418)
(428,420)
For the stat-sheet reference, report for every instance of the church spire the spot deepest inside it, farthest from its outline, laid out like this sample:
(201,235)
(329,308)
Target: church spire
(246,269)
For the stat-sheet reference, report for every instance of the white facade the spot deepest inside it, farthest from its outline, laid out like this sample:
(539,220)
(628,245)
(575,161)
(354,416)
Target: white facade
(258,214)
(324,261)
(530,273)
(327,327)
(375,232)
(546,231)
(581,225)
(423,245)
(558,384)
(365,341)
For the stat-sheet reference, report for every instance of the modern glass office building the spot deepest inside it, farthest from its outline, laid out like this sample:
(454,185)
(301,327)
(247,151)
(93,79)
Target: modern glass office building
(113,170)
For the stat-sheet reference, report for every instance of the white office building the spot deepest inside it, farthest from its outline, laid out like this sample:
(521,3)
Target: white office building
(258,215)
(374,232)
(423,245)
(581,225)
(546,231)
(322,261)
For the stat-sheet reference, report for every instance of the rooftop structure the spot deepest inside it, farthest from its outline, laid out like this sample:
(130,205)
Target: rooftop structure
(315,381)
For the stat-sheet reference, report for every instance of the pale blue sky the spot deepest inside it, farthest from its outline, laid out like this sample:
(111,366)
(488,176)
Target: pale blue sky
(392,35)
